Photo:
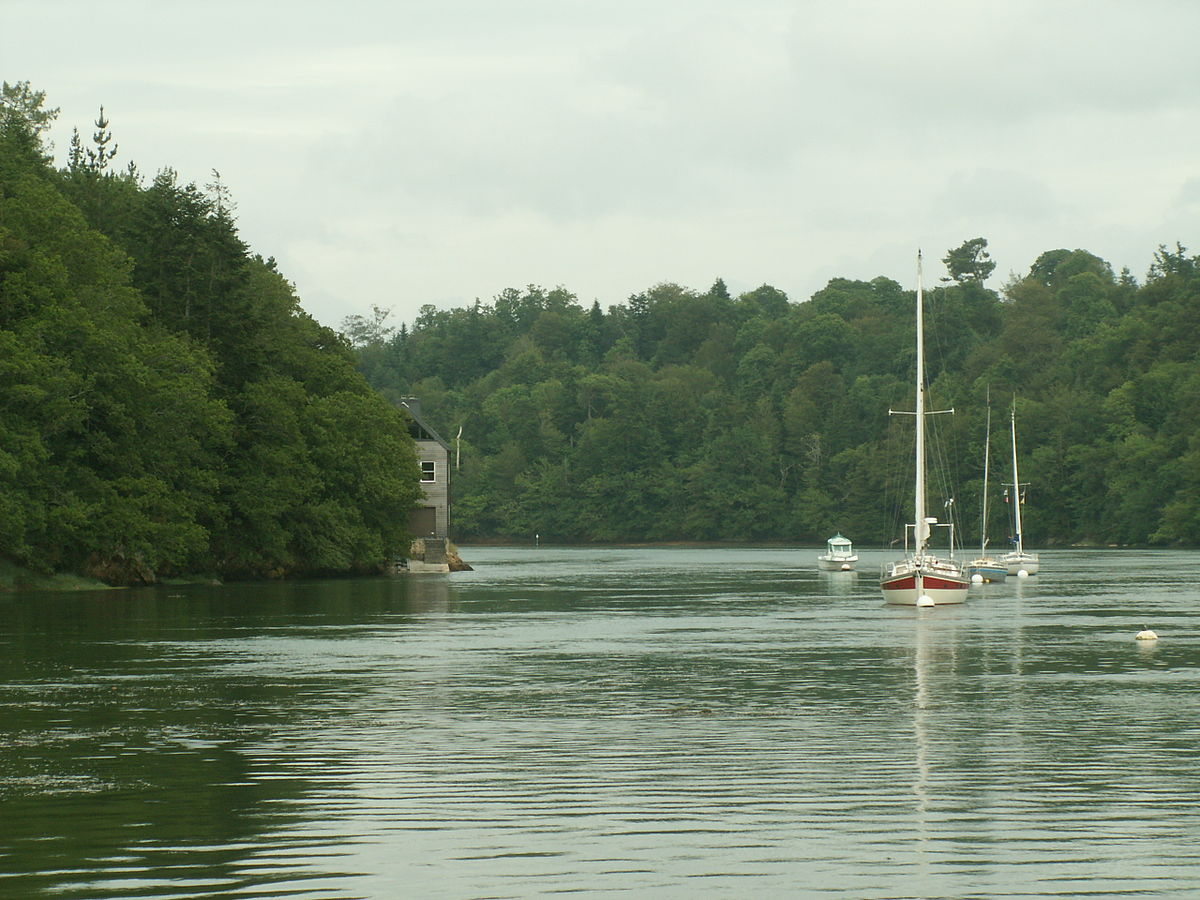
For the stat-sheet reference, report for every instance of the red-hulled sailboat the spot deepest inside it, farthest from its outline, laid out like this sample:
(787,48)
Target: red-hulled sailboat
(922,578)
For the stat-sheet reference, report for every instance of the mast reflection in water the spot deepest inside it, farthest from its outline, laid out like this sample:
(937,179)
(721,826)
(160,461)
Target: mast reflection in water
(659,722)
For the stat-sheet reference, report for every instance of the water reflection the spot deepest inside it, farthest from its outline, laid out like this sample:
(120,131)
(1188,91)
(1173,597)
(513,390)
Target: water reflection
(428,594)
(601,722)
(130,722)
(921,664)
(839,584)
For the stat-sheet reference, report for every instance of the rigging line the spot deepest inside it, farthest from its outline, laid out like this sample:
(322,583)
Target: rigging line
(942,477)
(890,495)
(944,474)
(899,472)
(934,333)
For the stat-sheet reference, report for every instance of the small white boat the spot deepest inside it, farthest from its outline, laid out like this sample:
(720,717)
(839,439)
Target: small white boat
(839,555)
(986,568)
(1018,560)
(922,578)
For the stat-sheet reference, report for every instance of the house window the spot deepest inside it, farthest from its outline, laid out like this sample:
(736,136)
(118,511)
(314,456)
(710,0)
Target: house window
(428,470)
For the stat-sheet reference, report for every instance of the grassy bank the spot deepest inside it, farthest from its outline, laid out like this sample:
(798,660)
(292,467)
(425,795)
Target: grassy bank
(18,578)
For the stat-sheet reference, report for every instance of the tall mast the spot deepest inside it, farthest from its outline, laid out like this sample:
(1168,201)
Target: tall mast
(987,446)
(920,526)
(1016,482)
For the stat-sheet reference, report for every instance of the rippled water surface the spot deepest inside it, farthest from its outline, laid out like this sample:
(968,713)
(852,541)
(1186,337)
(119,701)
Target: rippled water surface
(649,722)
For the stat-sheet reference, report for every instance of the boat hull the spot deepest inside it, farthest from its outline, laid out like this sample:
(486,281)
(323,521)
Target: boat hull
(1018,562)
(836,563)
(990,570)
(906,585)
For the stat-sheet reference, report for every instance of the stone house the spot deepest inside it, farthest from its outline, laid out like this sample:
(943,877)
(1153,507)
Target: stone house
(432,517)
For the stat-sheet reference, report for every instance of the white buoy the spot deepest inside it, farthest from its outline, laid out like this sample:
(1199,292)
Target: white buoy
(1146,635)
(976,578)
(1022,574)
(925,600)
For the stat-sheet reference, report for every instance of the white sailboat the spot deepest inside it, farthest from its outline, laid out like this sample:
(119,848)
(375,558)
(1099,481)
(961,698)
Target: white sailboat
(922,578)
(1017,560)
(839,555)
(986,568)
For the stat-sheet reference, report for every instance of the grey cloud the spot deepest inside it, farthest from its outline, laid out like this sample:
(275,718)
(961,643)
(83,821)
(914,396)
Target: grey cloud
(431,150)
(1015,197)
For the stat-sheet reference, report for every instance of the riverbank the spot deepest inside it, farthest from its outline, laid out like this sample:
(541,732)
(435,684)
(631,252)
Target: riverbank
(16,578)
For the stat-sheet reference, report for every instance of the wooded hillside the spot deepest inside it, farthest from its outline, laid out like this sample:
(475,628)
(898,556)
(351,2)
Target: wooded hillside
(165,405)
(686,415)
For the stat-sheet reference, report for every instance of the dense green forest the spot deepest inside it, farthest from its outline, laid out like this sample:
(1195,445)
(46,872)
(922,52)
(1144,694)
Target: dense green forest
(681,415)
(166,407)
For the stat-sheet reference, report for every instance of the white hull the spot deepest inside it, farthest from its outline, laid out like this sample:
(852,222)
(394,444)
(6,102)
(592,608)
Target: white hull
(1021,562)
(913,583)
(837,563)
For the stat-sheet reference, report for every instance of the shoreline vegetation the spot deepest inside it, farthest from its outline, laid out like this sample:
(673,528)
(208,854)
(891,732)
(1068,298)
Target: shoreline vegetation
(816,546)
(167,407)
(15,579)
(704,415)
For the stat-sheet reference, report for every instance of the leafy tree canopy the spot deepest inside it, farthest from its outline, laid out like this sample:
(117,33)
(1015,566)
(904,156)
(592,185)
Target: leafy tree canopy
(970,262)
(681,415)
(165,404)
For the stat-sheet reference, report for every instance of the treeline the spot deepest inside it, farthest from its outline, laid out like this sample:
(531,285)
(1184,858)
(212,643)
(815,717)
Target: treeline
(166,407)
(681,415)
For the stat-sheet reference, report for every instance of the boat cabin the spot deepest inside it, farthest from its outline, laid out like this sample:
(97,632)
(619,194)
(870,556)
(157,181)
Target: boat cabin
(839,546)
(839,555)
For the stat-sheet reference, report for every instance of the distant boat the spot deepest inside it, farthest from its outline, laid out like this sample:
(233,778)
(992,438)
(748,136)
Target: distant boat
(986,567)
(1018,560)
(839,555)
(922,578)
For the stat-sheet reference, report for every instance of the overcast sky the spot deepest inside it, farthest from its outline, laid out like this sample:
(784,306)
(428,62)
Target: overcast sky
(393,153)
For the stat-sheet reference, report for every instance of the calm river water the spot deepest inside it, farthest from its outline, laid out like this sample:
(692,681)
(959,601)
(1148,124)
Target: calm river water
(647,722)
